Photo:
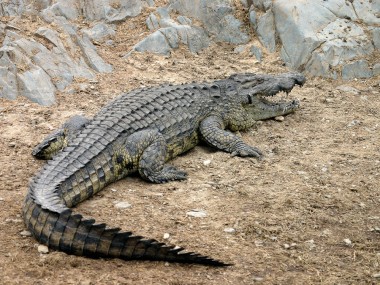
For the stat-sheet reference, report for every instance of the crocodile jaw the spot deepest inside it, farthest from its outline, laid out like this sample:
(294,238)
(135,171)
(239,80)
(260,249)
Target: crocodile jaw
(261,107)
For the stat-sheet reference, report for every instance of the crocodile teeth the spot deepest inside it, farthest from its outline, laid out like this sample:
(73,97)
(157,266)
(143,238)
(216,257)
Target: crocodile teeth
(281,97)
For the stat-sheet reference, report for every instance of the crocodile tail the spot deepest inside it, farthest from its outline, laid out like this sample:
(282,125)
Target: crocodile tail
(71,233)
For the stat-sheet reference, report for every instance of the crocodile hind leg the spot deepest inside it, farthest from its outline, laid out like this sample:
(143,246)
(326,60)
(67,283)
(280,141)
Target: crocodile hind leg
(150,146)
(58,139)
(212,130)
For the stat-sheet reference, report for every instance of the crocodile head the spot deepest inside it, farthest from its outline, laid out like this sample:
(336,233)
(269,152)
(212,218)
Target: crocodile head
(258,93)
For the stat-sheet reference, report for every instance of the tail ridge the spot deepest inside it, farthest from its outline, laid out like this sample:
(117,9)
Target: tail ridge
(72,233)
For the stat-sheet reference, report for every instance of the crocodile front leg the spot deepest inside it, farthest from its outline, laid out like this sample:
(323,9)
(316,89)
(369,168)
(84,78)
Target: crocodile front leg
(212,130)
(151,148)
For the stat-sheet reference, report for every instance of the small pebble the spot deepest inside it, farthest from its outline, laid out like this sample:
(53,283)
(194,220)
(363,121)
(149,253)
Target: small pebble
(347,242)
(354,123)
(279,118)
(376,275)
(122,205)
(289,246)
(166,235)
(197,213)
(257,279)
(26,233)
(1,199)
(230,230)
(43,249)
(206,162)
(12,144)
(13,221)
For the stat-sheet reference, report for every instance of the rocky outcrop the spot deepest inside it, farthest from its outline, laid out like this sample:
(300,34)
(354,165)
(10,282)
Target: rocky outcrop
(335,38)
(36,67)
(218,24)
(323,38)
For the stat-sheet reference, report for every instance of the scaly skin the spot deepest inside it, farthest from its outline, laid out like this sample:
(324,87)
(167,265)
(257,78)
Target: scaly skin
(141,131)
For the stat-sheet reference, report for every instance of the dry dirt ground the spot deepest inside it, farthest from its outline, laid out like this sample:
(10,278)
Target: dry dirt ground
(309,213)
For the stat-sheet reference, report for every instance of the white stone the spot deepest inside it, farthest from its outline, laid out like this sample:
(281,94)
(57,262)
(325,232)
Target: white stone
(26,233)
(230,230)
(197,213)
(43,249)
(122,205)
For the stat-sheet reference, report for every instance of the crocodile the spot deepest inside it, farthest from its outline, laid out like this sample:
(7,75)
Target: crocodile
(140,131)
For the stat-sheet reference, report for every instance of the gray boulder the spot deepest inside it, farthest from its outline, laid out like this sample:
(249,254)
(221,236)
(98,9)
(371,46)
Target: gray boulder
(376,37)
(266,30)
(217,17)
(8,71)
(357,69)
(36,85)
(169,34)
(99,32)
(111,11)
(324,45)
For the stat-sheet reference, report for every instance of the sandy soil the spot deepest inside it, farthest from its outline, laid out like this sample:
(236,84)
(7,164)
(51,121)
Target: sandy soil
(307,214)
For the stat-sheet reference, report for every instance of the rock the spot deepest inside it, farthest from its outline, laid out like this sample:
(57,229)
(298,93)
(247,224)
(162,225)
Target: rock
(125,10)
(66,8)
(91,56)
(184,20)
(266,31)
(26,233)
(155,43)
(197,213)
(358,69)
(257,279)
(323,51)
(99,32)
(354,123)
(244,3)
(150,3)
(240,49)
(262,5)
(230,230)
(122,205)
(279,118)
(172,34)
(217,17)
(165,39)
(36,85)
(376,275)
(256,51)
(376,37)
(289,246)
(8,71)
(110,11)
(152,22)
(166,236)
(43,249)
(207,162)
(376,69)
(253,18)
(347,242)
(348,89)
(13,8)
